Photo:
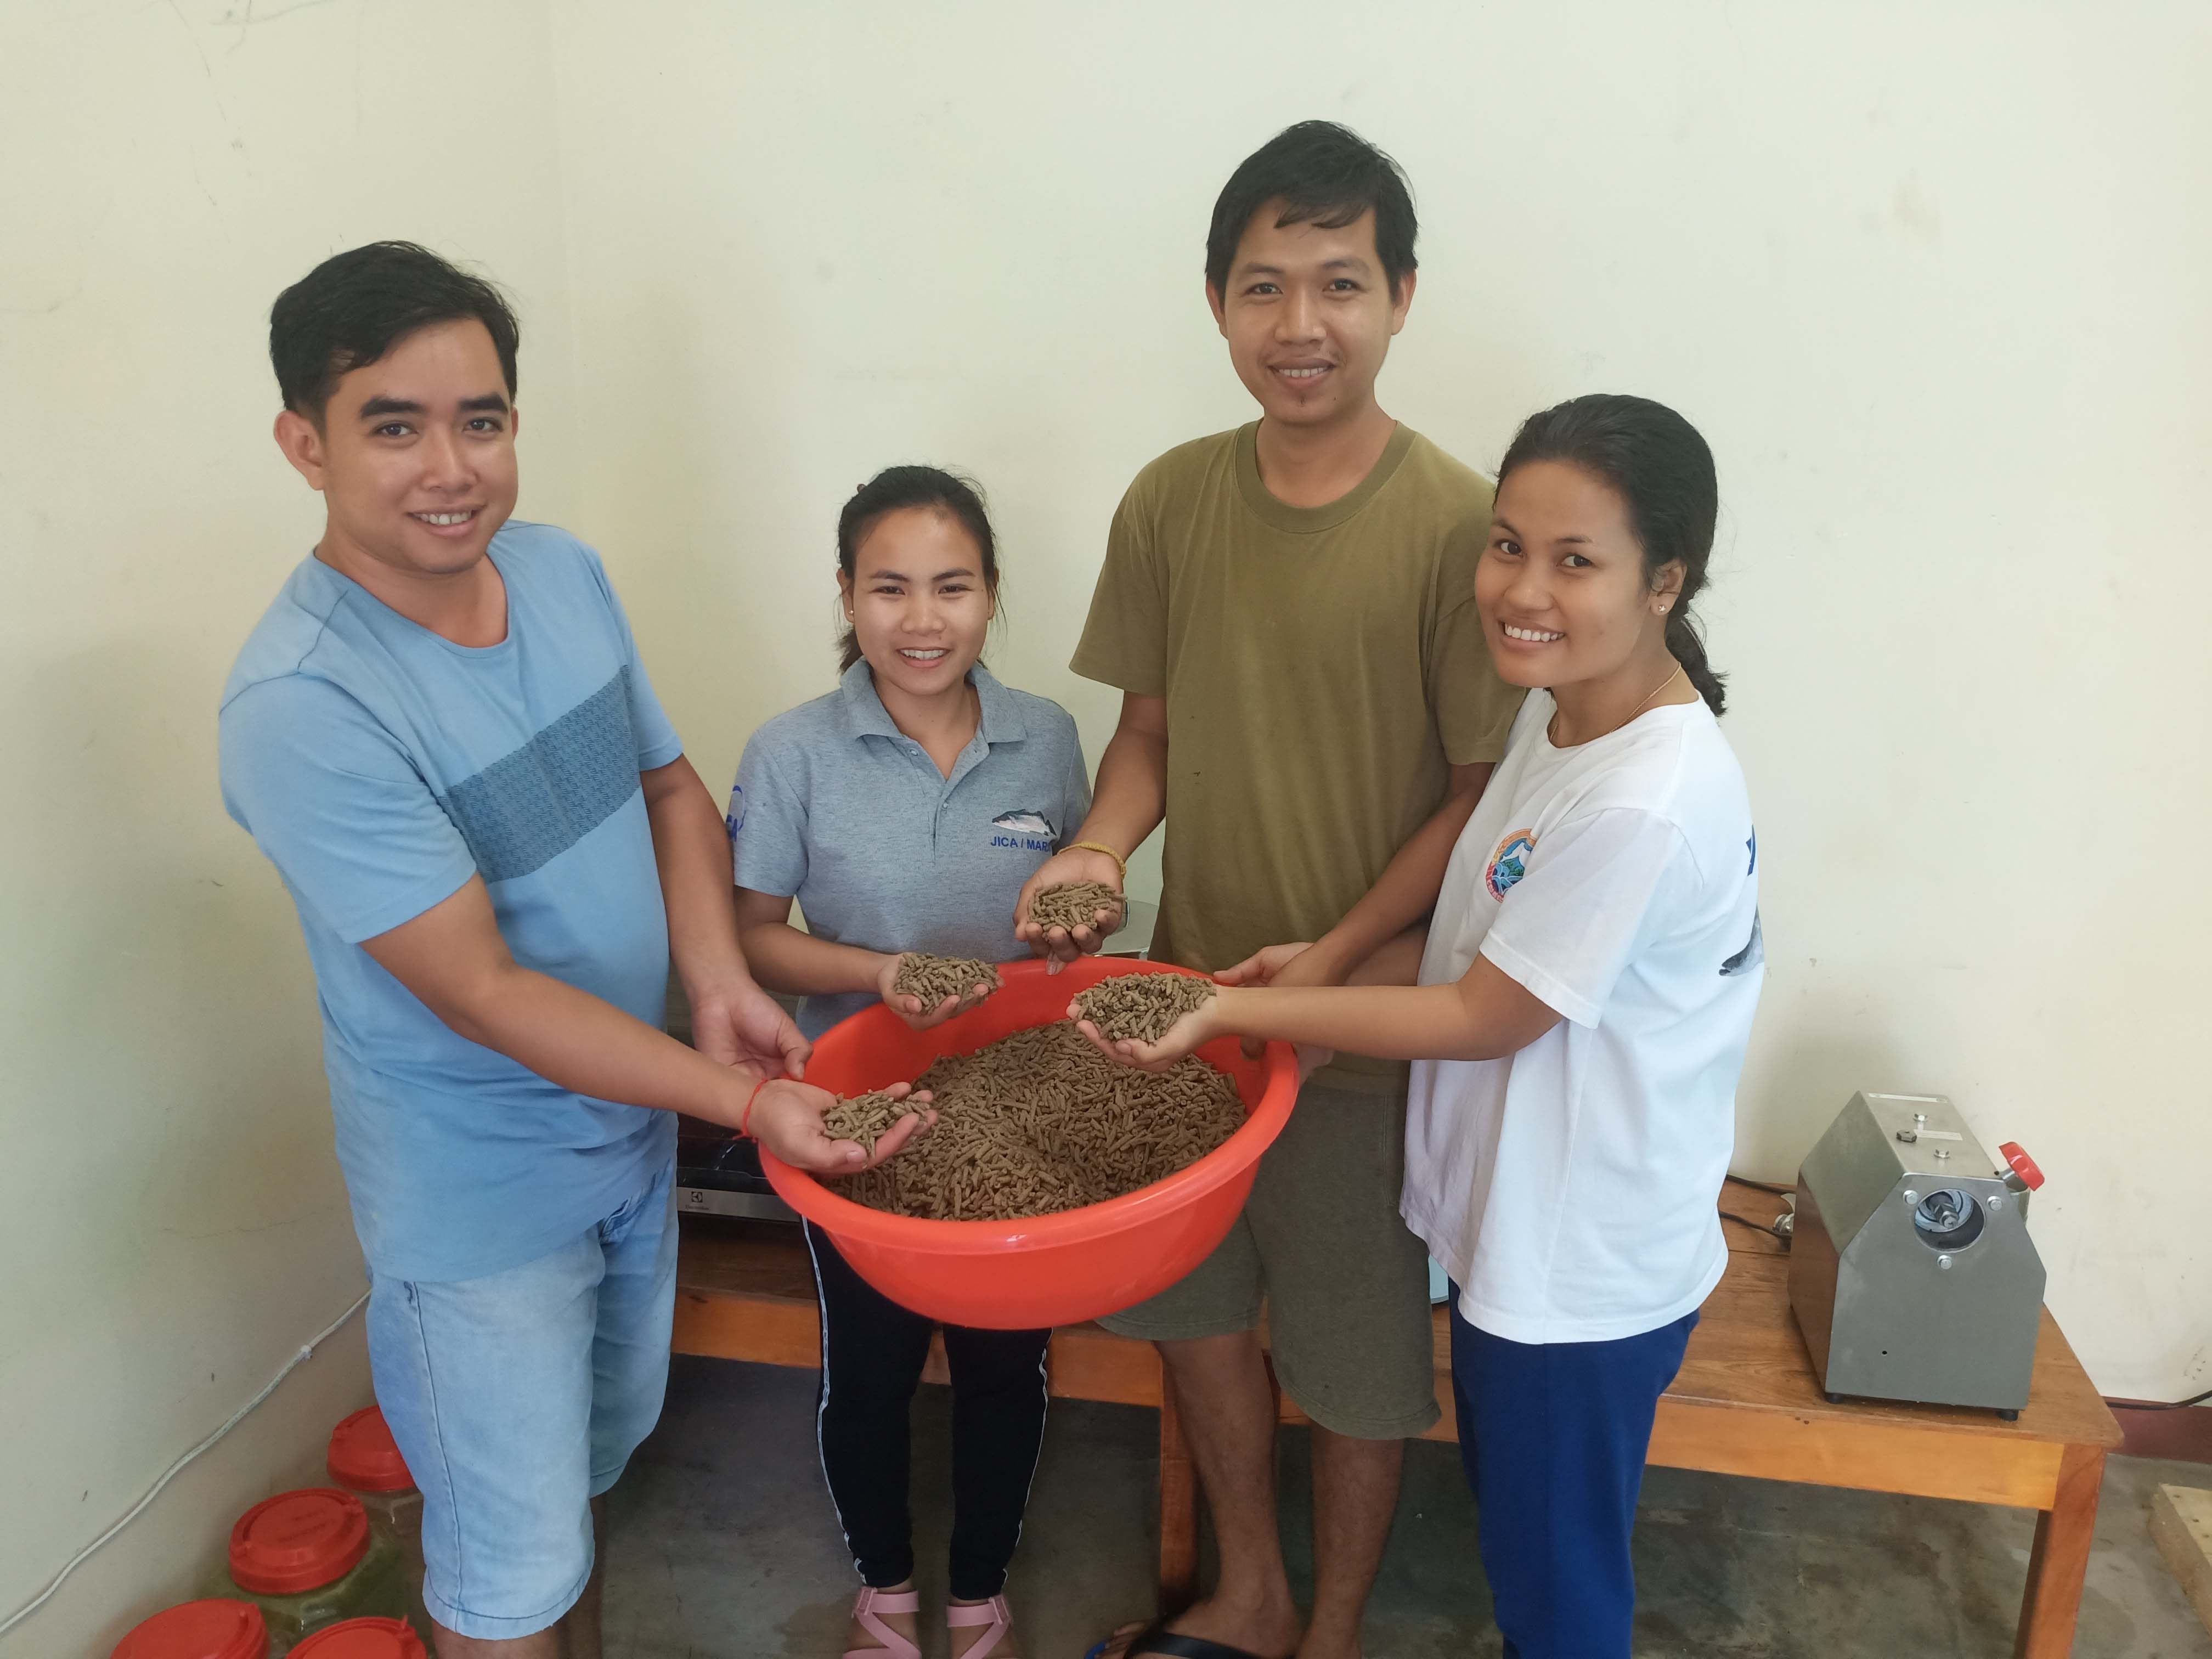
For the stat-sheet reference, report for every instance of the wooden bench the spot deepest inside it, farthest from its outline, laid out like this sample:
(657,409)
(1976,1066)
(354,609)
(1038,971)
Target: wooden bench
(1745,1403)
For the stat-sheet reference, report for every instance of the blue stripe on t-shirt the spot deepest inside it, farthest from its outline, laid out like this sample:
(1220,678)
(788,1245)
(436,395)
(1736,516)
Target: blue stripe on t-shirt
(527,808)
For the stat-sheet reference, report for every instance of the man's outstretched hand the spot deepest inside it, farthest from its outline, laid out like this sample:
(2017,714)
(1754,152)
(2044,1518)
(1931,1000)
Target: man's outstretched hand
(1060,946)
(1284,965)
(786,1119)
(737,1023)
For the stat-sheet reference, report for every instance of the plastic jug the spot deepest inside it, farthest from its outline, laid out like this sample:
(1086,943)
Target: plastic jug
(309,1559)
(364,1639)
(365,1461)
(199,1630)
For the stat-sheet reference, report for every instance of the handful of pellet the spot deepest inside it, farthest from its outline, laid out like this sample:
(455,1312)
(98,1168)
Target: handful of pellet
(866,1118)
(1042,1123)
(1075,904)
(932,979)
(1141,1007)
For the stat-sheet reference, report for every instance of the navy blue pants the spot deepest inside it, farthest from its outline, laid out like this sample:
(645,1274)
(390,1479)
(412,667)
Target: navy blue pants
(1554,1437)
(872,1352)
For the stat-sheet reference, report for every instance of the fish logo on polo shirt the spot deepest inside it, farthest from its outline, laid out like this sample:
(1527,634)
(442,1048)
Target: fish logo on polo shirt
(734,819)
(1510,862)
(1025,829)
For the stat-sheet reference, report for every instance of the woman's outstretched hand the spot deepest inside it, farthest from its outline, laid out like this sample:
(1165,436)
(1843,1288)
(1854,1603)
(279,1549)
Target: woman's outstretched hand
(734,1021)
(786,1119)
(1188,1035)
(908,1007)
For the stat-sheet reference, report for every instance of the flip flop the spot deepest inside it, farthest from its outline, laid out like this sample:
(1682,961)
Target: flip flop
(1156,1639)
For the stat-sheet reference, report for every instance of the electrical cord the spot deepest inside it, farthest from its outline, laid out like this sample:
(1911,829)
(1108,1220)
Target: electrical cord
(1763,1186)
(1771,1229)
(306,1352)
(2163,1405)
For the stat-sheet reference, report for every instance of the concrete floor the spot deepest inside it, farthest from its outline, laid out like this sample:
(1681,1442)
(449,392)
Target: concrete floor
(724,1545)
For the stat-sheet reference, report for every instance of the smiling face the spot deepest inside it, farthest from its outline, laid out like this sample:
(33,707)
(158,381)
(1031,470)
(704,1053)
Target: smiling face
(1561,587)
(1309,314)
(414,455)
(919,601)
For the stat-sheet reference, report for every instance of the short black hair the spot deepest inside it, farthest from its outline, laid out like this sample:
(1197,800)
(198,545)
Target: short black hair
(1323,175)
(355,306)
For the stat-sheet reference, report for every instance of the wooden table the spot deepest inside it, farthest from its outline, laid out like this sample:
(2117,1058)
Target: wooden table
(1745,1403)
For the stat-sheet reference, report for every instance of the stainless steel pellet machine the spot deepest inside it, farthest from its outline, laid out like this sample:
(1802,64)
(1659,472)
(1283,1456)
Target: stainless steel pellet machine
(1911,1270)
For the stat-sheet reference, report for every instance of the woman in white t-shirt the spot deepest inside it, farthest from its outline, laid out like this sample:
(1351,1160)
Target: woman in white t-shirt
(1577,1004)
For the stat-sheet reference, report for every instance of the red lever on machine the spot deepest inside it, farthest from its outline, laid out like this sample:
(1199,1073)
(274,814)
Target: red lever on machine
(2022,1164)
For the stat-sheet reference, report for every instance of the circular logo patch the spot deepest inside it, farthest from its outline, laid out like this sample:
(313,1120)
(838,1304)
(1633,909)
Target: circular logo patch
(1510,861)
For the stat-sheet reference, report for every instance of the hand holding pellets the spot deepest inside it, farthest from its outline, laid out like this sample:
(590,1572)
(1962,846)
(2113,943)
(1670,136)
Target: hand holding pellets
(924,990)
(1141,1007)
(867,1118)
(929,979)
(1074,904)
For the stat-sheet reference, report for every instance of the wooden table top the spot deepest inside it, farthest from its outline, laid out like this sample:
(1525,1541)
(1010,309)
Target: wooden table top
(1746,1353)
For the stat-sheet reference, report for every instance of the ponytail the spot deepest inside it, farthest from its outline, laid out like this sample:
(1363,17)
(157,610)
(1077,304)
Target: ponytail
(1688,645)
(1663,472)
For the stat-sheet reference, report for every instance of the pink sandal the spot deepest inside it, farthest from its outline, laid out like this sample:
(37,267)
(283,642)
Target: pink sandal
(992,1613)
(871,1601)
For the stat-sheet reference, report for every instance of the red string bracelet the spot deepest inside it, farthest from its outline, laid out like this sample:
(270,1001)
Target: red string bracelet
(746,1117)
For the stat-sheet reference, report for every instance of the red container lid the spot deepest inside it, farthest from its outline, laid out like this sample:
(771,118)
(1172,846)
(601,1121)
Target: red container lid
(364,1456)
(298,1540)
(364,1638)
(200,1630)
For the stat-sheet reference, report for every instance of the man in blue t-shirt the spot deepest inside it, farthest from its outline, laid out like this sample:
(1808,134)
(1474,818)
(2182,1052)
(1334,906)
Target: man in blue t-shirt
(441,735)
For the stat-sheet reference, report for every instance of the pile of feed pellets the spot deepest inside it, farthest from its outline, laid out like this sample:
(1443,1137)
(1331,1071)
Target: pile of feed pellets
(1041,1121)
(931,979)
(1141,1007)
(1073,904)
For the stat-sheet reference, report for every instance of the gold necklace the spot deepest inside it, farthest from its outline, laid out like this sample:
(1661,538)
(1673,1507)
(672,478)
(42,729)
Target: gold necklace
(1552,731)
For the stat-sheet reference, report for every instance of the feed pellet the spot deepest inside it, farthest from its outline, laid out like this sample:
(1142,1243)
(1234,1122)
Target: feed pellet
(932,979)
(1141,1007)
(1076,904)
(864,1118)
(1040,1122)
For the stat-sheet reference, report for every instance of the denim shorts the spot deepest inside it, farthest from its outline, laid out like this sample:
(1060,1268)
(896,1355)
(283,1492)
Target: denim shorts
(517,1398)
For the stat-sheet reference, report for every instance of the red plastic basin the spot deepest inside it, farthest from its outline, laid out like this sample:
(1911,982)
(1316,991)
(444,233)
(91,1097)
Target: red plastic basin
(1052,1269)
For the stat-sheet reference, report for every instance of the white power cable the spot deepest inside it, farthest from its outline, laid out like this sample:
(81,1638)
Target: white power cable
(306,1352)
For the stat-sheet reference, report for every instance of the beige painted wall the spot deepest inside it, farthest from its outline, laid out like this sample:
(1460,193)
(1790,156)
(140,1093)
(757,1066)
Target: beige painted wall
(1929,278)
(174,1223)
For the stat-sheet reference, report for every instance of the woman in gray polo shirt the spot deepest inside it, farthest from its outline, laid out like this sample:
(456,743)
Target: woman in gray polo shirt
(904,811)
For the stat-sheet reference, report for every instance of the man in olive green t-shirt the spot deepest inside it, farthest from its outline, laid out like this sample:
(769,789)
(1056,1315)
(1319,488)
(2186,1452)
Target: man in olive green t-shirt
(1288,610)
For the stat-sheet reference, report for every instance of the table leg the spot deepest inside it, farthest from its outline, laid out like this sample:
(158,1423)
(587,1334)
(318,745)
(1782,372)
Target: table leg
(1178,1510)
(2060,1561)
